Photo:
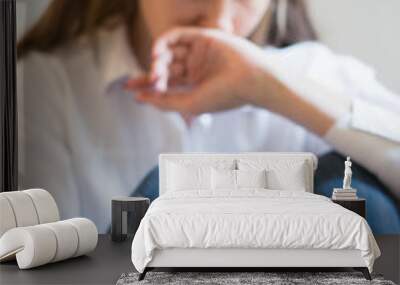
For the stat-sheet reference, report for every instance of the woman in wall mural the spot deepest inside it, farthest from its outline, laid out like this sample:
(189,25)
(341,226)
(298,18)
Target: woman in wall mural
(108,85)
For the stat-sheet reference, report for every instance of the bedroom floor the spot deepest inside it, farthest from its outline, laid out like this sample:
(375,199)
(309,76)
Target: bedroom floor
(389,262)
(106,264)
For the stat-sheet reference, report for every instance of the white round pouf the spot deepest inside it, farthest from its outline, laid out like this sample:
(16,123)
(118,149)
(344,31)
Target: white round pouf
(87,233)
(33,246)
(40,244)
(30,230)
(7,215)
(45,205)
(23,208)
(67,240)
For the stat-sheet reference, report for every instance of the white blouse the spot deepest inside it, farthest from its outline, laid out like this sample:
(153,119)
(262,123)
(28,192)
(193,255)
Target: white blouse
(85,139)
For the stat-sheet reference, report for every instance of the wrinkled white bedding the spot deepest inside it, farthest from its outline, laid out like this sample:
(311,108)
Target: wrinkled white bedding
(252,218)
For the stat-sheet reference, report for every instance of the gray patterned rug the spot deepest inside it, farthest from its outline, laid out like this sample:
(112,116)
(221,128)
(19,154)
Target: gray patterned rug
(231,278)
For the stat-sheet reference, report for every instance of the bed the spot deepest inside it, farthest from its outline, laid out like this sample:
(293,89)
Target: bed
(247,210)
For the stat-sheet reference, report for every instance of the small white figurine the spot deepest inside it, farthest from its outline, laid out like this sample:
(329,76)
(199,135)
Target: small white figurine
(347,174)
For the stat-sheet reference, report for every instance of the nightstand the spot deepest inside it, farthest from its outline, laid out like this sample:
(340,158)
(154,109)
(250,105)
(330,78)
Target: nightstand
(357,205)
(126,213)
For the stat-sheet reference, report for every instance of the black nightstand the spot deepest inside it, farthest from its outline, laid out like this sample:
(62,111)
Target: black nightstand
(357,206)
(127,212)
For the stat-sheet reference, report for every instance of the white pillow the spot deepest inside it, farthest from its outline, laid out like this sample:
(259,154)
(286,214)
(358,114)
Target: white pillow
(251,178)
(281,174)
(293,179)
(193,174)
(237,179)
(183,178)
(223,179)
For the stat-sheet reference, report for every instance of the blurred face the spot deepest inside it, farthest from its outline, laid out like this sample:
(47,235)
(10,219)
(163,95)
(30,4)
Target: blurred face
(240,17)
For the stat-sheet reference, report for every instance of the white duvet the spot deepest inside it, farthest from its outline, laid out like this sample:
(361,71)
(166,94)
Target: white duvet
(250,219)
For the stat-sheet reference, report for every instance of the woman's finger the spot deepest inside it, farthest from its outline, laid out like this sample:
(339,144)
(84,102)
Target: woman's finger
(163,62)
(143,81)
(160,64)
(180,35)
(170,68)
(180,52)
(180,101)
(176,71)
(177,82)
(197,64)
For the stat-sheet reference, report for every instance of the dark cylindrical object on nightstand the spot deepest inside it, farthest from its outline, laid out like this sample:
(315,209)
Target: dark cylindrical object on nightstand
(126,213)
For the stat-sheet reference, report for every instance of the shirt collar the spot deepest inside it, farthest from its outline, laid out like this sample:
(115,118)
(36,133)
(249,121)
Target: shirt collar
(117,61)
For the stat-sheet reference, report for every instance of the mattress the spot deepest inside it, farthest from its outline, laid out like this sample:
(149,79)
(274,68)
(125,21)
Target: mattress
(250,219)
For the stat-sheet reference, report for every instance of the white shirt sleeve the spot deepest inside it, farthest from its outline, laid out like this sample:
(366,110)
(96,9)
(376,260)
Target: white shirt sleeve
(370,133)
(374,108)
(45,160)
(375,119)
(367,114)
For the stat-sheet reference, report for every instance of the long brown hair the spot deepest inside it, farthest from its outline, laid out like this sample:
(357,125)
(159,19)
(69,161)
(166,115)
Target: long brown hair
(66,20)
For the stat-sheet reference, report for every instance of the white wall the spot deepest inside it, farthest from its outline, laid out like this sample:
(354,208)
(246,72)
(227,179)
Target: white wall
(27,13)
(367,29)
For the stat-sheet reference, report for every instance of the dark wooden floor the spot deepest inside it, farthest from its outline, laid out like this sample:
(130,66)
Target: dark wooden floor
(389,262)
(110,260)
